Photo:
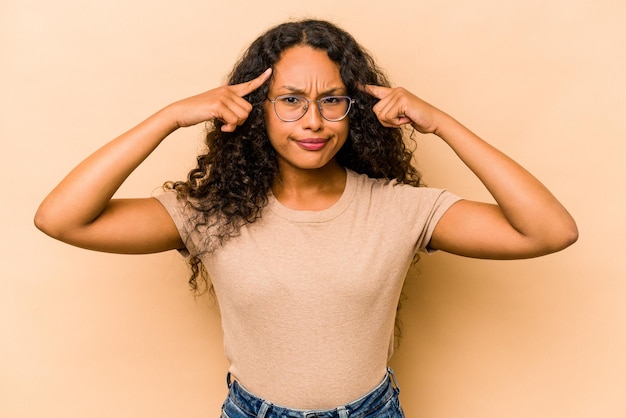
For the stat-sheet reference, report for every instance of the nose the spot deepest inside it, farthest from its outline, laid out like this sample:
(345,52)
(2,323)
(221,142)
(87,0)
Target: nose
(312,118)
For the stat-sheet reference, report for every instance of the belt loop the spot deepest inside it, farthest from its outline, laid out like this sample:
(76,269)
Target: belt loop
(263,410)
(343,412)
(228,380)
(392,377)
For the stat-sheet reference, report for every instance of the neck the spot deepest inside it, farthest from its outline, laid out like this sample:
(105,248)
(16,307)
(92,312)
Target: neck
(316,189)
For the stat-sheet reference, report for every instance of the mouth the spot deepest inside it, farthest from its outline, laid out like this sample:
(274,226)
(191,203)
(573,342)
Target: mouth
(312,144)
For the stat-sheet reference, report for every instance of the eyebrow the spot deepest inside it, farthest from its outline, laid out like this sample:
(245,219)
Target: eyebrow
(297,90)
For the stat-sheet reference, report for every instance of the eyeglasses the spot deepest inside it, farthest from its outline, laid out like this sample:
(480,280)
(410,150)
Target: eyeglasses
(290,108)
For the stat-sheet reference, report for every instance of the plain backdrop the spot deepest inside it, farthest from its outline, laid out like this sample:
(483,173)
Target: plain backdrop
(84,334)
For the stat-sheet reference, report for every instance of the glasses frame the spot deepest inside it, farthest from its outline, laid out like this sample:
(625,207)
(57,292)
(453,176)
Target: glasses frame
(308,104)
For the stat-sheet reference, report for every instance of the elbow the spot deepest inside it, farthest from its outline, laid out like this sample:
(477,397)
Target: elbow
(562,237)
(41,222)
(569,231)
(570,236)
(46,224)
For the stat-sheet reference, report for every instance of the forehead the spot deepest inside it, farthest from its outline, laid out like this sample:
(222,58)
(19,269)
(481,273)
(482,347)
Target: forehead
(304,68)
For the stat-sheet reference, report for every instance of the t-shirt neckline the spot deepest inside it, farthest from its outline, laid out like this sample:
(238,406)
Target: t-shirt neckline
(323,215)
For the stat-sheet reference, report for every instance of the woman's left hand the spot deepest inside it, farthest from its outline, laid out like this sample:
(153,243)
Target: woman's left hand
(398,106)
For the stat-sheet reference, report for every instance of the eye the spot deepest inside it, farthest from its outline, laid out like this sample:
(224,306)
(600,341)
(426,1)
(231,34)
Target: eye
(332,100)
(290,100)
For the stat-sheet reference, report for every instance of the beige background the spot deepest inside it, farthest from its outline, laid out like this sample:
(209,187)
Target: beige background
(97,335)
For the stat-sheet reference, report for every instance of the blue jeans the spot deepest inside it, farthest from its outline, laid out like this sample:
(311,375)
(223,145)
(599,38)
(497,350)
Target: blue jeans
(382,402)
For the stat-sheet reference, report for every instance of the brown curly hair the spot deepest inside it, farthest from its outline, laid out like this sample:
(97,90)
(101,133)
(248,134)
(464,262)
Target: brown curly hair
(230,185)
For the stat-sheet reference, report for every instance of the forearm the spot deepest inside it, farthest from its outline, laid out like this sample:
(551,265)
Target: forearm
(528,206)
(86,191)
(80,211)
(527,221)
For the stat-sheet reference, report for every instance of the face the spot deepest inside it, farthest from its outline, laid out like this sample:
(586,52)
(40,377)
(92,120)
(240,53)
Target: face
(311,142)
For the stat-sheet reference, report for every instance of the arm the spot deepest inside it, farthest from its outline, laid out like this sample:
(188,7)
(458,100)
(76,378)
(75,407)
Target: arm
(527,220)
(80,210)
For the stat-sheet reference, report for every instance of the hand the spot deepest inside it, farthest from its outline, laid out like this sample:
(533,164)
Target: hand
(225,103)
(398,106)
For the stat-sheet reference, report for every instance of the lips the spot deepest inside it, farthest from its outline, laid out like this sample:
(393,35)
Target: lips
(312,144)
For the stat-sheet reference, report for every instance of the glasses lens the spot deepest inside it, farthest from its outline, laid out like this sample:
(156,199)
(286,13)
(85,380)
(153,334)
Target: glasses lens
(334,107)
(290,108)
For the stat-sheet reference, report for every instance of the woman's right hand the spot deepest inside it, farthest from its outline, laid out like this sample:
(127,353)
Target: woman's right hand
(225,103)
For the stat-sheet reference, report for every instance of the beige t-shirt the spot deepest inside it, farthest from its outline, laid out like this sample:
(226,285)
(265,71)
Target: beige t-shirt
(308,298)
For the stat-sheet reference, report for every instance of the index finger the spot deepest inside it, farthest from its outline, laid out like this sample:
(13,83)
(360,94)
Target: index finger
(248,87)
(376,91)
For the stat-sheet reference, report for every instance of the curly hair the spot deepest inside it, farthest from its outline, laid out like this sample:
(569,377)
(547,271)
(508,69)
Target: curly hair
(230,185)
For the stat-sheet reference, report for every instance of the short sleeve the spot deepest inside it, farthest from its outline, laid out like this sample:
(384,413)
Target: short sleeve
(442,202)
(422,208)
(181,215)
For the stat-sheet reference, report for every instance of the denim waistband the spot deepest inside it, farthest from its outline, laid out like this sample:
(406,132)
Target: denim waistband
(365,406)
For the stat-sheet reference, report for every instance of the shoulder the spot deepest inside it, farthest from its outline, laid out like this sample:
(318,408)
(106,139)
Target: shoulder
(389,186)
(177,206)
(363,181)
(184,212)
(401,196)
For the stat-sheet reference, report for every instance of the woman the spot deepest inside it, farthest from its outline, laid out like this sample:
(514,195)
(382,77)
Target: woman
(306,213)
